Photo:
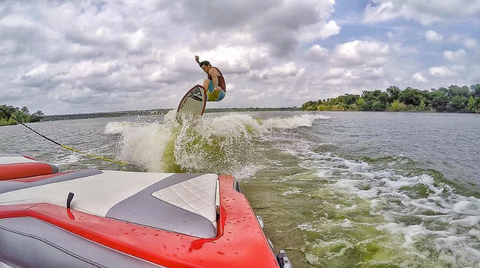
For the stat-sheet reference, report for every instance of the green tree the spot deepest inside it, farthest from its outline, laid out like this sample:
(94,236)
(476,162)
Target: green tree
(378,106)
(362,105)
(455,90)
(410,96)
(37,116)
(25,110)
(475,90)
(393,92)
(309,106)
(439,100)
(21,115)
(457,103)
(422,105)
(471,106)
(397,106)
(452,99)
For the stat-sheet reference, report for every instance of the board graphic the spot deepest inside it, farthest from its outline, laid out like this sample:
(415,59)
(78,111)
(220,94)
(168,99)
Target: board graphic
(193,102)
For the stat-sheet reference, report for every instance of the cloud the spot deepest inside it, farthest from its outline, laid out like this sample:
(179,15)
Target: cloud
(383,11)
(458,68)
(471,43)
(279,24)
(359,52)
(334,73)
(441,71)
(433,36)
(317,31)
(454,55)
(117,55)
(425,12)
(372,73)
(418,77)
(316,53)
(287,70)
(122,48)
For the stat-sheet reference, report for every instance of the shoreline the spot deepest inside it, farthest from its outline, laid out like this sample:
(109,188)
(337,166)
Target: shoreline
(155,112)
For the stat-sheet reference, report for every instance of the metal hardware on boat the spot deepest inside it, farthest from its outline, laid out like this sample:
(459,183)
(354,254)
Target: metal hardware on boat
(283,260)
(260,221)
(271,245)
(236,186)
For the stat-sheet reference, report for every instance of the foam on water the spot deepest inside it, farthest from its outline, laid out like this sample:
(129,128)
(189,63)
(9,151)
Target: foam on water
(304,120)
(224,144)
(65,159)
(411,213)
(142,144)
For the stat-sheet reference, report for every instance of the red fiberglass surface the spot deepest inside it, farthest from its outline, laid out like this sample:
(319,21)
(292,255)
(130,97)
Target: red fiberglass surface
(23,170)
(240,242)
(42,177)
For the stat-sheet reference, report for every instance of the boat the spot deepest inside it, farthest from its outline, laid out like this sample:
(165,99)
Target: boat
(106,218)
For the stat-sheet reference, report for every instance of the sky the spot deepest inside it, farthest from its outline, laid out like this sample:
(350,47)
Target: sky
(64,57)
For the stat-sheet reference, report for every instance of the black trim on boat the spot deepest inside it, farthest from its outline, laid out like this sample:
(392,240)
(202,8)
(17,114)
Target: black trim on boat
(236,186)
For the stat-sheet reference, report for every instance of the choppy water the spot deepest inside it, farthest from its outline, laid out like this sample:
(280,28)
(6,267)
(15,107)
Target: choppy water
(334,189)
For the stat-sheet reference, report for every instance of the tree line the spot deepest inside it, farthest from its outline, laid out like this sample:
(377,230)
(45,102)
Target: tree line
(452,99)
(23,115)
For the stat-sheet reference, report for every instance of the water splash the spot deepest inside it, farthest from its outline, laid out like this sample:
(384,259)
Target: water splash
(226,144)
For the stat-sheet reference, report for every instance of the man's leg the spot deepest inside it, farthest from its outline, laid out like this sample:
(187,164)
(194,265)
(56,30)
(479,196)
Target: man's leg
(206,85)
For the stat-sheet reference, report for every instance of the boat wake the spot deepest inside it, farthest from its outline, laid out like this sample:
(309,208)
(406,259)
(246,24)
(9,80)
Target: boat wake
(226,144)
(383,212)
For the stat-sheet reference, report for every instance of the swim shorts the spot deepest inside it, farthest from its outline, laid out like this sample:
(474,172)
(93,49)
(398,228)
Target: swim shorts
(214,95)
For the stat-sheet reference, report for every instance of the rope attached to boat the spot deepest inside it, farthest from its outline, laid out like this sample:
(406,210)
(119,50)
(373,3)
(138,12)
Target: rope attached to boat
(64,146)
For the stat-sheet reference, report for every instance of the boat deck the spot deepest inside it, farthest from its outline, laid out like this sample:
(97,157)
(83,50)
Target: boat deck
(128,219)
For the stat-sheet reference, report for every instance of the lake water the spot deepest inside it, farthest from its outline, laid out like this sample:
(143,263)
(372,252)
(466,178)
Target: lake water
(339,189)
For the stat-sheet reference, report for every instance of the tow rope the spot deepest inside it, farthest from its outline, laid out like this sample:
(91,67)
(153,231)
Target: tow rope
(64,146)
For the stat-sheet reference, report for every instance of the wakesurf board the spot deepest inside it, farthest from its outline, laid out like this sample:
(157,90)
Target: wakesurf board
(193,103)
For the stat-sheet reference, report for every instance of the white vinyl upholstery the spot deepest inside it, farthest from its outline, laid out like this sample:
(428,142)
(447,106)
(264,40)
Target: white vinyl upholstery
(107,193)
(3,265)
(94,194)
(197,195)
(15,159)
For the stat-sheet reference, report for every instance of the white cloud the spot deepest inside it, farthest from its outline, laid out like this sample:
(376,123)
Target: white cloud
(287,70)
(418,77)
(356,49)
(425,12)
(330,29)
(317,31)
(471,43)
(382,12)
(372,73)
(334,73)
(316,53)
(441,71)
(362,52)
(454,55)
(433,36)
(455,38)
(458,68)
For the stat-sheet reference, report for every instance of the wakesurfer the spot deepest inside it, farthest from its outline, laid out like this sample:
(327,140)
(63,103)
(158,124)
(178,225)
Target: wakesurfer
(215,82)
